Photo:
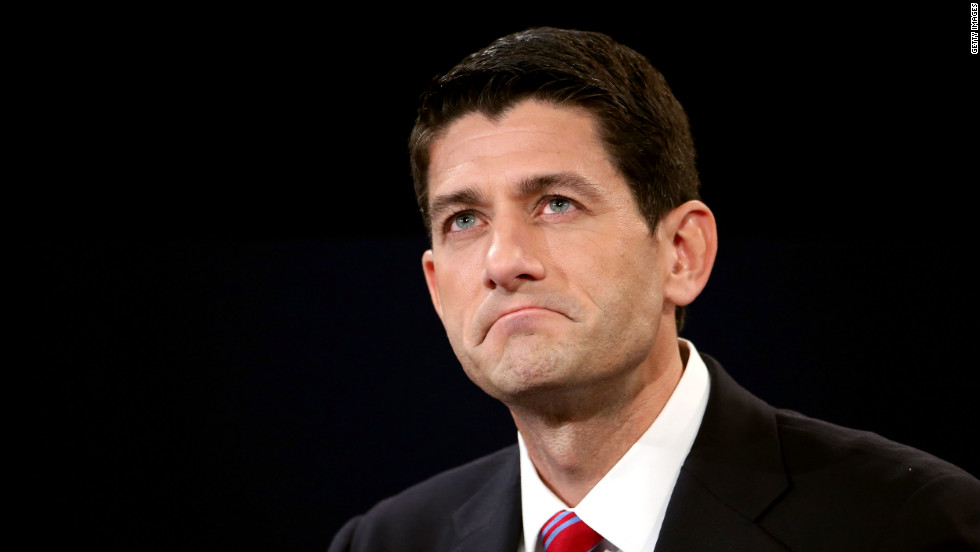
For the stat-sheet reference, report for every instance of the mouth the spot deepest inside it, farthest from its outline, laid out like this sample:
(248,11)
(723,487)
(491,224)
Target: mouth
(513,315)
(518,311)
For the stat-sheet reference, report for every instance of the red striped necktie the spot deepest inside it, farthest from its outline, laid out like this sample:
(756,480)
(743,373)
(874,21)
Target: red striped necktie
(565,532)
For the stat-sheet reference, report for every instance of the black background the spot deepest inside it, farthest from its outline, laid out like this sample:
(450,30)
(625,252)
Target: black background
(219,252)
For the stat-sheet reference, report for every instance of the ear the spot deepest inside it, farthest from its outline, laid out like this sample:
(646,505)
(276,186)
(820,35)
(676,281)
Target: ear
(691,240)
(429,268)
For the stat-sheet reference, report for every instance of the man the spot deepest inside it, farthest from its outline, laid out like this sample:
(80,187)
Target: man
(555,171)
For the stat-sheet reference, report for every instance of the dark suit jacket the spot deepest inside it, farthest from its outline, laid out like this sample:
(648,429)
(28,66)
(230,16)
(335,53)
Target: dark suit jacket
(757,479)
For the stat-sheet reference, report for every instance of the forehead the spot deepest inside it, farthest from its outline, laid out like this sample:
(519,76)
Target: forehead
(531,139)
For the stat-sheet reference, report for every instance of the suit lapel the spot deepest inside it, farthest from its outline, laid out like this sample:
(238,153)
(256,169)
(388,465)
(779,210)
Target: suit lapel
(732,475)
(491,519)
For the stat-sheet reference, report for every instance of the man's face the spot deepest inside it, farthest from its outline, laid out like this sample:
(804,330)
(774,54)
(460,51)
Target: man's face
(542,269)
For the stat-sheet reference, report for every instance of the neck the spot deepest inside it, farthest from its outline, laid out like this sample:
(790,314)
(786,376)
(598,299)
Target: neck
(573,452)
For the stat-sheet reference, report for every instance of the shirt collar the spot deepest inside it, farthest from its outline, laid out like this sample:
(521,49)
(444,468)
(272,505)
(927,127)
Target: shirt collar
(628,504)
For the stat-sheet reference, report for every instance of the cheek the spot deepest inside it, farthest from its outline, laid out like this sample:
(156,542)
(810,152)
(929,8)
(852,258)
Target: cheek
(627,285)
(458,284)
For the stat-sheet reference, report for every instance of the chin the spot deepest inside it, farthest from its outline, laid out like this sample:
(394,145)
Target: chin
(514,377)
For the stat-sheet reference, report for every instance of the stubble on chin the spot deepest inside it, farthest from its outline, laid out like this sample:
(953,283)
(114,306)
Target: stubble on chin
(525,366)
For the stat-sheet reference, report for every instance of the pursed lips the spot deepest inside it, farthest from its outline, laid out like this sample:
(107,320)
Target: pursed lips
(496,315)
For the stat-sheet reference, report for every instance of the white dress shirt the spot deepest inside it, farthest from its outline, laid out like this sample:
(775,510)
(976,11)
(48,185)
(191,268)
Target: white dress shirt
(628,504)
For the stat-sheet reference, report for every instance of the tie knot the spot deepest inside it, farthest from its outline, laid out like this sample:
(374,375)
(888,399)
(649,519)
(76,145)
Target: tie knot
(566,532)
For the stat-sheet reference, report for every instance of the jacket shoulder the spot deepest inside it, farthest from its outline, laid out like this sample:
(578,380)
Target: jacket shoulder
(446,490)
(422,516)
(814,485)
(810,442)
(895,496)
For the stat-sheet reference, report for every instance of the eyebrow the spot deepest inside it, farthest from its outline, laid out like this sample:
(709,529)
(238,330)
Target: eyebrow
(466,196)
(526,187)
(558,181)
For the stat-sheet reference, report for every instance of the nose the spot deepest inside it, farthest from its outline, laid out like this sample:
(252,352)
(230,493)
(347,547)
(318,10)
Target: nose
(514,256)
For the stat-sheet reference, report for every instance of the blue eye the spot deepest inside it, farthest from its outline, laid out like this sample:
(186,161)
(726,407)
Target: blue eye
(559,205)
(464,221)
